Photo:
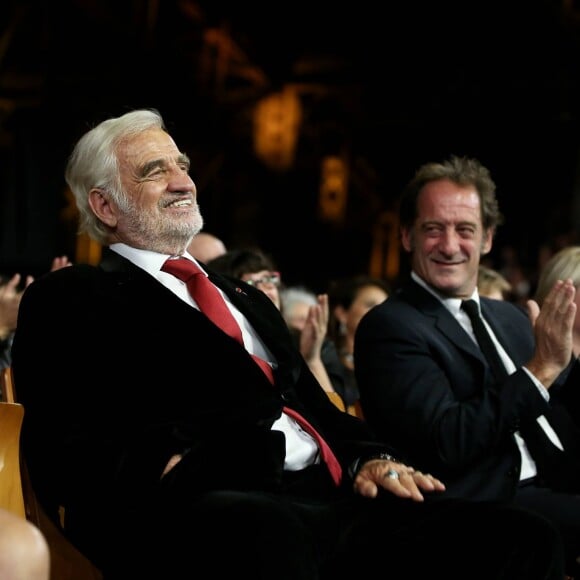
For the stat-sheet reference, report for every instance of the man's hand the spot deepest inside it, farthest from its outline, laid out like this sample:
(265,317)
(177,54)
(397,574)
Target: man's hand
(374,475)
(553,324)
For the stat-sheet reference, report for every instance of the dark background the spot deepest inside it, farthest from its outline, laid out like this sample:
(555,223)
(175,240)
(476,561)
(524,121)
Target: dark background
(388,85)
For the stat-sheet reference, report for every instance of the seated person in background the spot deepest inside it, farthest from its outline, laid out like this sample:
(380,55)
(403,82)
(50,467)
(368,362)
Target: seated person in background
(490,431)
(565,264)
(255,267)
(24,553)
(306,314)
(180,449)
(562,265)
(10,295)
(492,284)
(350,299)
(295,305)
(205,247)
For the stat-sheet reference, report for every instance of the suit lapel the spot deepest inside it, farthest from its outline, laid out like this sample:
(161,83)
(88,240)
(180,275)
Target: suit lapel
(442,319)
(264,317)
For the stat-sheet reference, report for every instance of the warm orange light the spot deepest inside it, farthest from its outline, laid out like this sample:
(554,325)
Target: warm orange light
(386,249)
(277,119)
(333,189)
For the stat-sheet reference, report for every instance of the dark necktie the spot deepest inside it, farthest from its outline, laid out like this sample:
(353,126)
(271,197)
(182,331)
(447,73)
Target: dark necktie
(212,304)
(484,339)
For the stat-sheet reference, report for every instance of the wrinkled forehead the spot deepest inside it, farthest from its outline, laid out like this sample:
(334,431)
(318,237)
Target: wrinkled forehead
(444,198)
(147,146)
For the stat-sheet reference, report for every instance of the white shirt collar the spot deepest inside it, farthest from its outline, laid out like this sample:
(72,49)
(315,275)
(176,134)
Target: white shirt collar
(452,304)
(147,260)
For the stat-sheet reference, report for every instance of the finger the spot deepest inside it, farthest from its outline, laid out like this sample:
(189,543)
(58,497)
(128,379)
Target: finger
(12,284)
(533,311)
(400,482)
(366,487)
(561,294)
(427,482)
(407,482)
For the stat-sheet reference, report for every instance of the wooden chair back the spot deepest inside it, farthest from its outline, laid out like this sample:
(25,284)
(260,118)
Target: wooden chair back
(17,495)
(7,393)
(11,416)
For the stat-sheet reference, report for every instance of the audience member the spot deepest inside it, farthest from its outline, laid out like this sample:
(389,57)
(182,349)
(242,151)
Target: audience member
(10,295)
(295,303)
(564,264)
(198,450)
(350,299)
(205,247)
(24,552)
(307,315)
(426,386)
(255,267)
(492,284)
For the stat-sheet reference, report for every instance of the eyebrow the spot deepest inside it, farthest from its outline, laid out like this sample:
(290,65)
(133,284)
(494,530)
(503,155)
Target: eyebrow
(182,159)
(461,223)
(150,165)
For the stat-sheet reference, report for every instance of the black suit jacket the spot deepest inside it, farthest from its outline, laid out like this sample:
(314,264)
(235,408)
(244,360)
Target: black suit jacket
(426,388)
(117,374)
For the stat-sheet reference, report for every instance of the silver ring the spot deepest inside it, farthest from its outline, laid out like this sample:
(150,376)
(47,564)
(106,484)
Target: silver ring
(392,474)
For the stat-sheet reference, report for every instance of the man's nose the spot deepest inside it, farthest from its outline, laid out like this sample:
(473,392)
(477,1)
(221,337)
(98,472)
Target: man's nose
(181,181)
(449,243)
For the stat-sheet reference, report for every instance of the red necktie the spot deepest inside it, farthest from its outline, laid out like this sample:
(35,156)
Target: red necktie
(206,295)
(212,304)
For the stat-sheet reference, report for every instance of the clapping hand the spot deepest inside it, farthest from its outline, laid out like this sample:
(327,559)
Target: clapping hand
(553,325)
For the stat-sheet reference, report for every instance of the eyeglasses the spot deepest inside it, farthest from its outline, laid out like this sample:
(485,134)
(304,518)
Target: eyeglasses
(273,278)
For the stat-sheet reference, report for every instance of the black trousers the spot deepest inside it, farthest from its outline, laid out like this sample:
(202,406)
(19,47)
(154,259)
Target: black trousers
(308,532)
(563,509)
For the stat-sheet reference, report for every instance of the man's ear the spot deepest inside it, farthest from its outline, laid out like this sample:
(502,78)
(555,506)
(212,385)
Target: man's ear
(487,241)
(407,239)
(102,207)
